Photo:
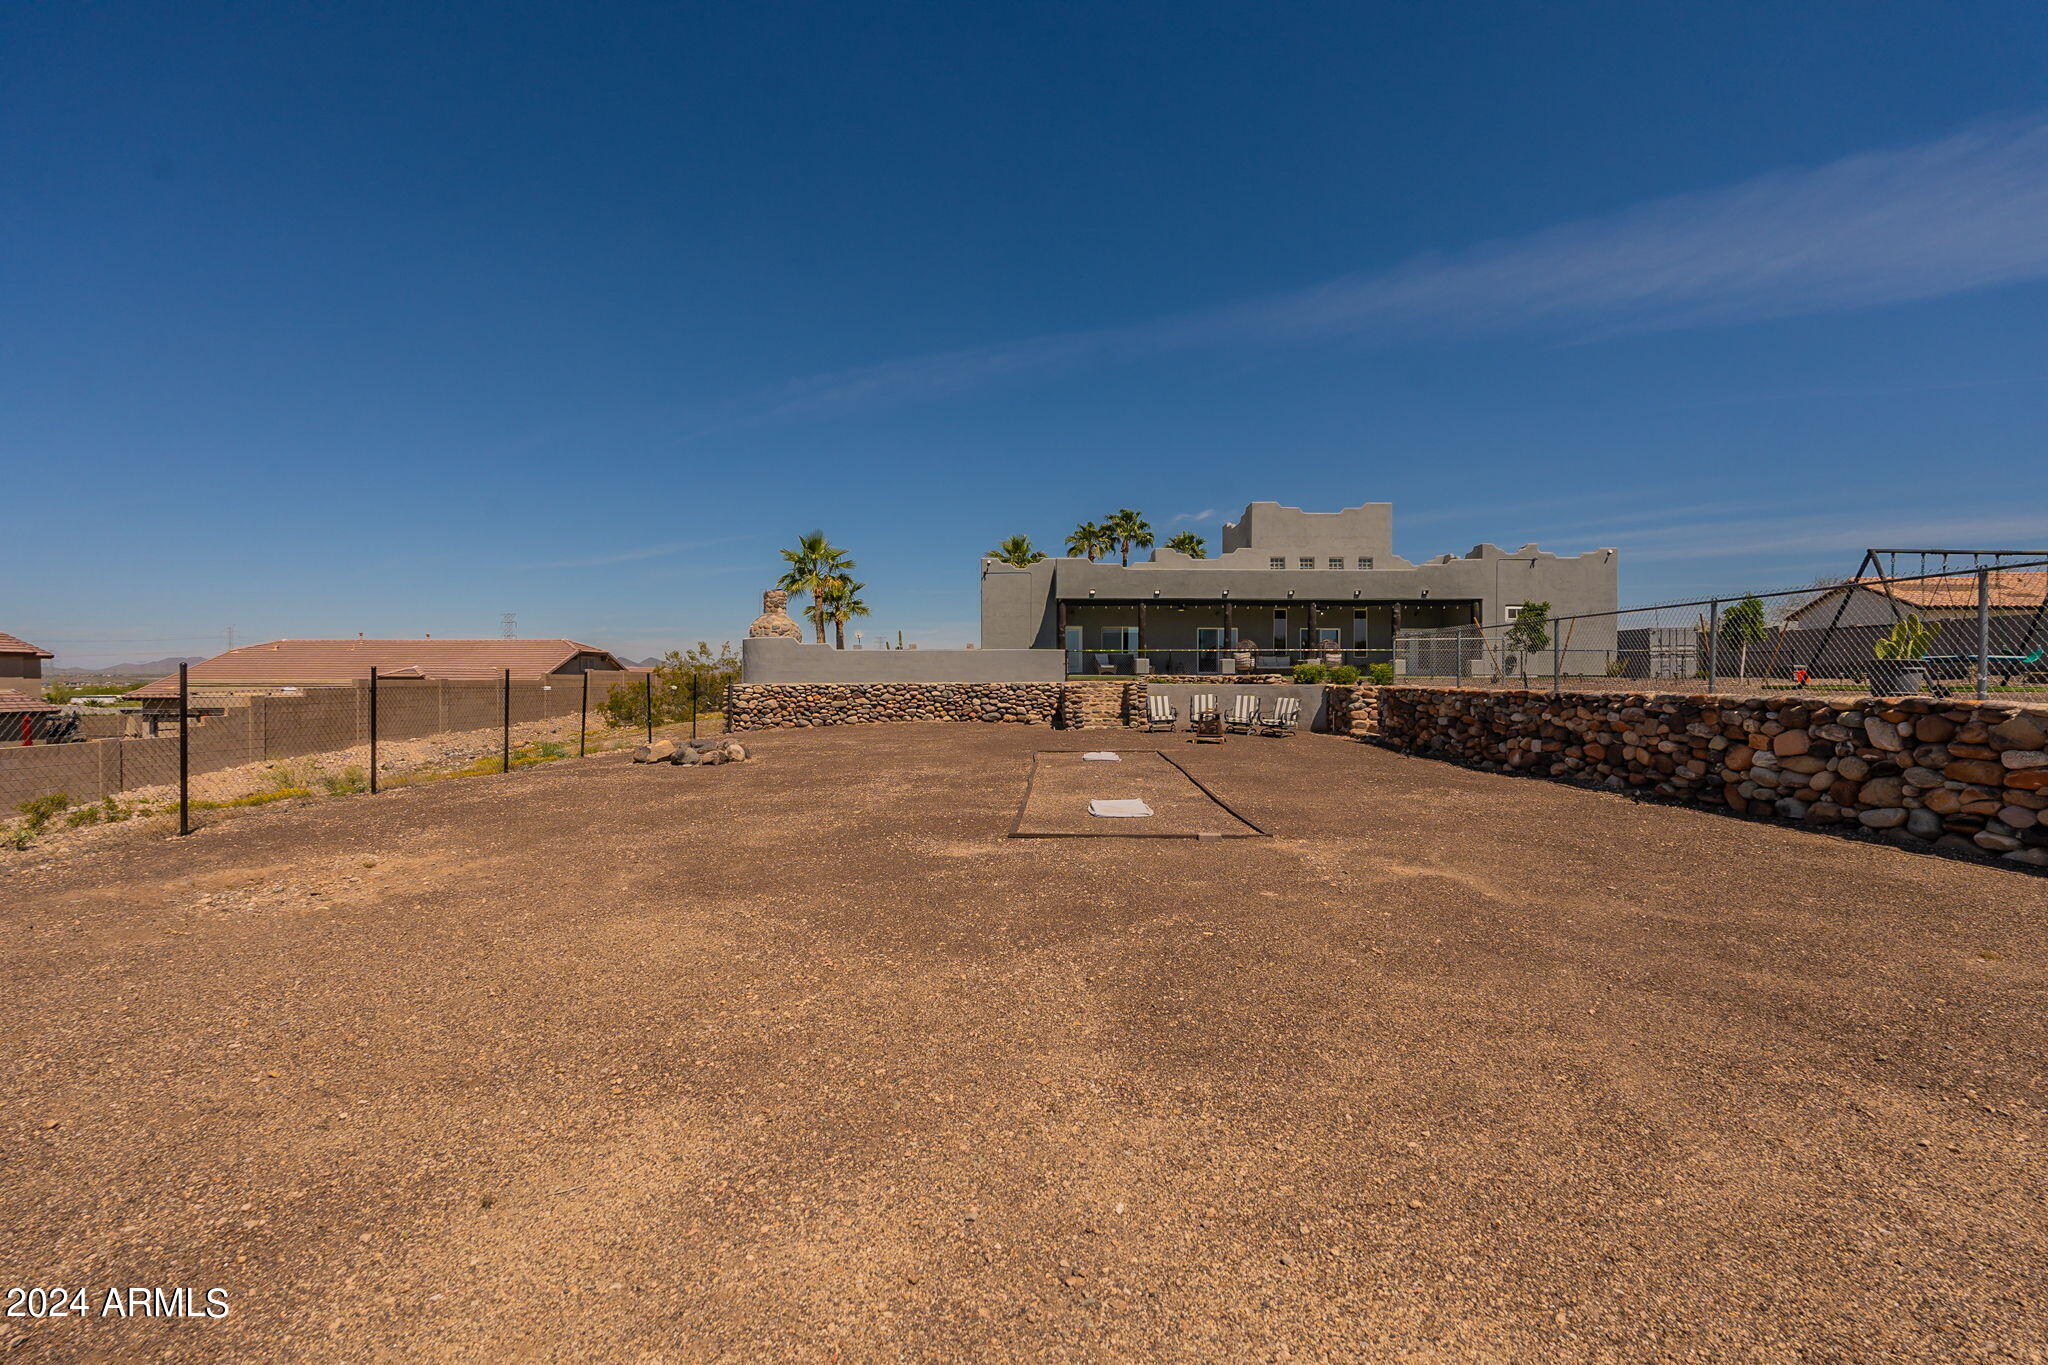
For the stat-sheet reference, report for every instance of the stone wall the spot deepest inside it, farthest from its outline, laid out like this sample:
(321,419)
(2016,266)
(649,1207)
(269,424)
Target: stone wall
(784,706)
(1353,709)
(1100,705)
(1953,774)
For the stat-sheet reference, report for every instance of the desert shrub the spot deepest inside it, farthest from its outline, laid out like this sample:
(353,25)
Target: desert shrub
(84,815)
(113,813)
(1342,673)
(347,782)
(1311,672)
(1382,675)
(42,810)
(681,675)
(262,798)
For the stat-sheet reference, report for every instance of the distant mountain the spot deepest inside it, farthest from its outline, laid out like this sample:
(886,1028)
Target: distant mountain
(154,668)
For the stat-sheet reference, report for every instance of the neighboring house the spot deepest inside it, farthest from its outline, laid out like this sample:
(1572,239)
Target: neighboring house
(1878,602)
(20,659)
(26,719)
(1286,581)
(290,665)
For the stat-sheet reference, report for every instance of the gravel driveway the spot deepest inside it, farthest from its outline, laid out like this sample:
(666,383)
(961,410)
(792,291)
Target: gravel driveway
(802,1059)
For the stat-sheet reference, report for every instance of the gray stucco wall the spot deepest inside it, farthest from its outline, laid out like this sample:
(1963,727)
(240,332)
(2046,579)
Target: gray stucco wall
(769,660)
(1017,604)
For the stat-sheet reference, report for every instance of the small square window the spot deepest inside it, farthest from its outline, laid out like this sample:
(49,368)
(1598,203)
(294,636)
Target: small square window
(1308,561)
(1276,562)
(1513,612)
(1365,563)
(1336,563)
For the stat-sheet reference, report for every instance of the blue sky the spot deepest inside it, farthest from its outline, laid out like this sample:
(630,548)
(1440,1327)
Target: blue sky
(394,318)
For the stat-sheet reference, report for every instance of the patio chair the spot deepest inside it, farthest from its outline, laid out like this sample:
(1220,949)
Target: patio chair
(1201,707)
(1159,713)
(1284,719)
(1244,713)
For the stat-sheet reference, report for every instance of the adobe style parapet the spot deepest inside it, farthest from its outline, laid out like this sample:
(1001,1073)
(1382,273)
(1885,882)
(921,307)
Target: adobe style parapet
(1273,554)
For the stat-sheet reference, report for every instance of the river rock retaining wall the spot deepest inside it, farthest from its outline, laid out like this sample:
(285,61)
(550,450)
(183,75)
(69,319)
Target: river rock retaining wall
(784,706)
(1353,709)
(1954,774)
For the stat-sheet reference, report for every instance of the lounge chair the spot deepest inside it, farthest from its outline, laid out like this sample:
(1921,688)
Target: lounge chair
(1283,719)
(1159,713)
(1201,707)
(1244,713)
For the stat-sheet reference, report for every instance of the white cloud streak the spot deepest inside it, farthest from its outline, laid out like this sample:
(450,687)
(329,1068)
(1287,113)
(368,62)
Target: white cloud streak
(1963,213)
(643,552)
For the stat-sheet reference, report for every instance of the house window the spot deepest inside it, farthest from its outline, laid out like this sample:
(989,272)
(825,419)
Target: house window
(1513,612)
(1308,561)
(1120,639)
(1365,563)
(1279,630)
(1276,562)
(1335,562)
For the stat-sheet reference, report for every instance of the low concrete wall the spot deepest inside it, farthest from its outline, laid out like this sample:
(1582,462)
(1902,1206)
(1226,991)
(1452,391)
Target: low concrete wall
(1955,775)
(770,660)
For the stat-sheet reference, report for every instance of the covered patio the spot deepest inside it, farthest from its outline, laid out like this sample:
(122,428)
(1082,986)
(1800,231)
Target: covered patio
(1191,636)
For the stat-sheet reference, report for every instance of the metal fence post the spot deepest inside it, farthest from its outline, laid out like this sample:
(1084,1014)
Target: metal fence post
(1714,645)
(648,684)
(583,719)
(1984,633)
(1556,661)
(505,731)
(696,699)
(184,751)
(373,729)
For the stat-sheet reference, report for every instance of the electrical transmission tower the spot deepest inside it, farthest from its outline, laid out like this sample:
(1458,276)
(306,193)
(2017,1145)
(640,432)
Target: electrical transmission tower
(509,621)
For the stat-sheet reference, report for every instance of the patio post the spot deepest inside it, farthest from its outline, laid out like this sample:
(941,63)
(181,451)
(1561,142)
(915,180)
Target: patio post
(1141,636)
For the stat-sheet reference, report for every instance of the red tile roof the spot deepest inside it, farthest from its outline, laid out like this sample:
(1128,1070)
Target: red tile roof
(17,702)
(301,663)
(10,644)
(2011,590)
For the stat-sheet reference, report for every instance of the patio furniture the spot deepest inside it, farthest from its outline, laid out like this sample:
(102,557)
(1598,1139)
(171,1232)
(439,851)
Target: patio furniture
(1204,719)
(1244,713)
(1284,719)
(1159,713)
(1201,706)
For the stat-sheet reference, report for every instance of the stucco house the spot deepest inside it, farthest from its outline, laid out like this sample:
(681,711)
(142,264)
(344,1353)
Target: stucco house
(19,661)
(1287,582)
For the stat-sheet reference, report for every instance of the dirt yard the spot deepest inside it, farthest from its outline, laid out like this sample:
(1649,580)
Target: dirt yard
(803,1059)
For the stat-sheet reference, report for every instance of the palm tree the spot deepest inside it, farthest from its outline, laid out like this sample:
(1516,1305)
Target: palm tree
(1189,544)
(1129,530)
(1016,550)
(813,565)
(840,603)
(1090,540)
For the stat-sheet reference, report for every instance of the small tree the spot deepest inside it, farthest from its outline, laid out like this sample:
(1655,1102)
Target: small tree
(1528,633)
(1017,551)
(1742,625)
(1911,638)
(1189,544)
(682,680)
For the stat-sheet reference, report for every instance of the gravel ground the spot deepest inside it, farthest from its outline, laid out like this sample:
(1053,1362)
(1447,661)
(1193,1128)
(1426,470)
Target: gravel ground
(802,1059)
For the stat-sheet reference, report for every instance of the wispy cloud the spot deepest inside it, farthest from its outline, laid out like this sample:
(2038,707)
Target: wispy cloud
(1207,514)
(1963,213)
(643,552)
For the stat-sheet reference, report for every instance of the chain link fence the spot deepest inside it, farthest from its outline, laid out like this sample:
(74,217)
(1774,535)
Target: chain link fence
(185,749)
(1981,633)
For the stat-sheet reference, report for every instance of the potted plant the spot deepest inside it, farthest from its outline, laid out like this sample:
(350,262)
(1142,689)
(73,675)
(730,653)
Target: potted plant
(1895,672)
